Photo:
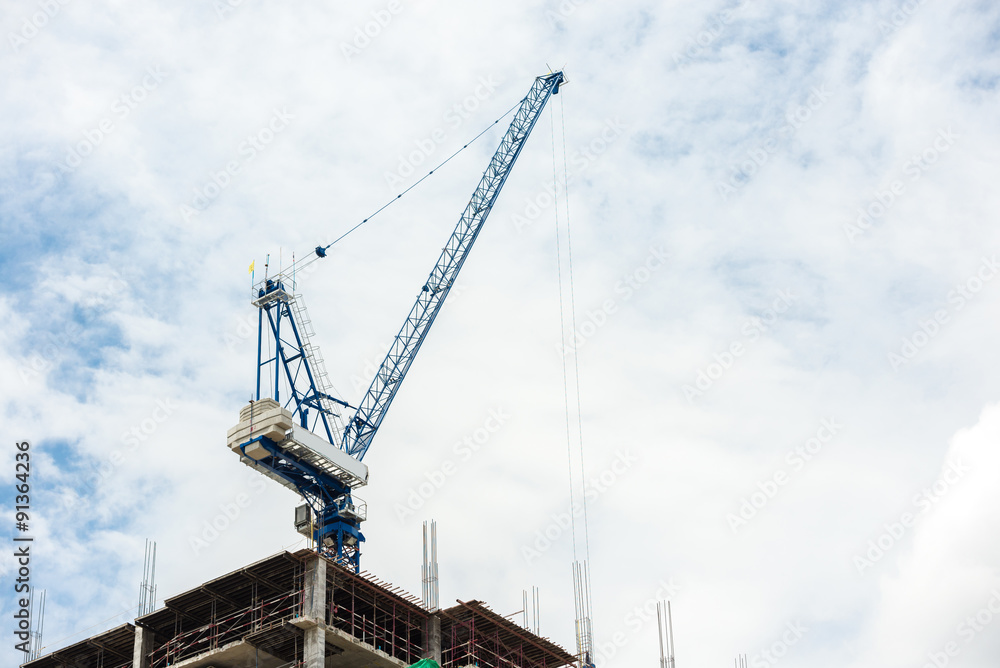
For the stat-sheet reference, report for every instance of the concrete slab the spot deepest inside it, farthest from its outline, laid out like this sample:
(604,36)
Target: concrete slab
(239,654)
(357,654)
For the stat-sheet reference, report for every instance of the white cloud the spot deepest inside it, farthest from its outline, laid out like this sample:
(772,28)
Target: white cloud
(944,575)
(175,333)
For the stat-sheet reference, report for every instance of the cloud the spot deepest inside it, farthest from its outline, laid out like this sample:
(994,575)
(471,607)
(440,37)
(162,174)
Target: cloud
(943,586)
(128,340)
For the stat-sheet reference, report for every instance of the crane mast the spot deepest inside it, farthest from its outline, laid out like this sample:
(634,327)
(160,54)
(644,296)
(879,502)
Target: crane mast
(299,438)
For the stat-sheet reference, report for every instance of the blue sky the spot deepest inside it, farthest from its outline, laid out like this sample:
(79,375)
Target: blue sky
(820,178)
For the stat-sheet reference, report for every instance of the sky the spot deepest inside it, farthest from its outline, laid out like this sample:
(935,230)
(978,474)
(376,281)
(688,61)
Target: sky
(784,274)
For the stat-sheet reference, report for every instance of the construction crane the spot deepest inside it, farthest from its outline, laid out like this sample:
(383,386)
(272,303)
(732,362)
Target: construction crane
(300,438)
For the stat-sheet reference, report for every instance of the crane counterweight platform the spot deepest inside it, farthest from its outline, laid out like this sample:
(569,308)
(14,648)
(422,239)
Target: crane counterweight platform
(301,438)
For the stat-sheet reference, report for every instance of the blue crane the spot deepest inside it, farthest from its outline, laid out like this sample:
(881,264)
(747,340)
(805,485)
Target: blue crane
(295,431)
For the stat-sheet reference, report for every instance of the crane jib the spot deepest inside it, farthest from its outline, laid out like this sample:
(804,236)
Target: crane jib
(361,429)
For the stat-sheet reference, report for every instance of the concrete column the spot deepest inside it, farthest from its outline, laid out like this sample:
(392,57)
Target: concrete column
(143,646)
(314,610)
(432,638)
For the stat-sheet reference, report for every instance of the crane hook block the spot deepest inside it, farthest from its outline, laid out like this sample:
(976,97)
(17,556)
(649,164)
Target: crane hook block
(320,251)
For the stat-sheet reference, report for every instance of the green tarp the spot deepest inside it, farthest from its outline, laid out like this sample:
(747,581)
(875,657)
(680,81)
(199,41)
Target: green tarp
(426,663)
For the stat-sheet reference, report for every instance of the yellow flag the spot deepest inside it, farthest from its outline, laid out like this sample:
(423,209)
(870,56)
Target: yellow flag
(251,267)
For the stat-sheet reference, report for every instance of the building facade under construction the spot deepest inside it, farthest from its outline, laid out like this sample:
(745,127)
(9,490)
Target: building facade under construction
(302,610)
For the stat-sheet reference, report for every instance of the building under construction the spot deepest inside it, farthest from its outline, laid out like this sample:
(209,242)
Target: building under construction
(316,608)
(304,610)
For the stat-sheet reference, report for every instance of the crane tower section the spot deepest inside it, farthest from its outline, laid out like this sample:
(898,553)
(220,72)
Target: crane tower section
(295,431)
(290,432)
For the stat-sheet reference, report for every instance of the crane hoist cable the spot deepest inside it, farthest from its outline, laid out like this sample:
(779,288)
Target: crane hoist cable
(572,301)
(581,577)
(562,330)
(567,348)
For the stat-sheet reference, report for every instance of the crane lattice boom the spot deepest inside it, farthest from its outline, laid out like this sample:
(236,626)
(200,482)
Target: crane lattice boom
(362,428)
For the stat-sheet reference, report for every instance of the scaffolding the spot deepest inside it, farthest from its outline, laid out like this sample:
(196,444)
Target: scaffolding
(474,635)
(376,614)
(110,649)
(245,623)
